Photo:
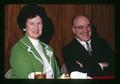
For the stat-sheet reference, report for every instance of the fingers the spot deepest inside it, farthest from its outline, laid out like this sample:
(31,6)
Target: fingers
(80,64)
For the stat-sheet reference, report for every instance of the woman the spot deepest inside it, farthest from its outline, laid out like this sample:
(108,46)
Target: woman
(30,55)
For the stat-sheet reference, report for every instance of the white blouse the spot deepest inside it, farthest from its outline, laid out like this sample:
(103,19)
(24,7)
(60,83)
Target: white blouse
(47,66)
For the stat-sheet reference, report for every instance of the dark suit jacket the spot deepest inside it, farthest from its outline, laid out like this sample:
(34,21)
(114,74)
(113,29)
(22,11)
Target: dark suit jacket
(74,51)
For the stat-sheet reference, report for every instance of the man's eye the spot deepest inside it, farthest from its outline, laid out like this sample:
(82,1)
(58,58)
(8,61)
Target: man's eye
(31,23)
(80,27)
(89,25)
(39,23)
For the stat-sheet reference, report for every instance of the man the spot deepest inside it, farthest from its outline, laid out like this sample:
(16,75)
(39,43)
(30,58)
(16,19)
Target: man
(86,52)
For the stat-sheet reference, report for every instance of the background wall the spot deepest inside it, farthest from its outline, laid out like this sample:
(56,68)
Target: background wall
(61,15)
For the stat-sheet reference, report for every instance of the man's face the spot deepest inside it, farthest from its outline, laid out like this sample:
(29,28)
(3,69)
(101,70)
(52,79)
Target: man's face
(82,28)
(34,27)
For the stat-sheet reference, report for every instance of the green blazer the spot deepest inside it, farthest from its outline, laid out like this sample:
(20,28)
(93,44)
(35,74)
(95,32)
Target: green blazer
(25,59)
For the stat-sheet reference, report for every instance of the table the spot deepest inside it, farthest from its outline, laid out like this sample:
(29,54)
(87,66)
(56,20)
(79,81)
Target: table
(103,77)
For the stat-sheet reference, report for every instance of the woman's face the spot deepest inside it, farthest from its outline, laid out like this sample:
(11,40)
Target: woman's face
(34,27)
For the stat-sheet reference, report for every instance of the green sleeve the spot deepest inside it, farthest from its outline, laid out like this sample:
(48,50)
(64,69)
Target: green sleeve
(20,63)
(57,69)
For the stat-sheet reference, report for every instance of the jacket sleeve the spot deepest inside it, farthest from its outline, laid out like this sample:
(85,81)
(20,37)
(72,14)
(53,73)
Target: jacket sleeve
(20,63)
(57,69)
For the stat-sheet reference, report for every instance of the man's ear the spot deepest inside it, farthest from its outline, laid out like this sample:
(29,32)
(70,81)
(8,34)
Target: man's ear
(73,29)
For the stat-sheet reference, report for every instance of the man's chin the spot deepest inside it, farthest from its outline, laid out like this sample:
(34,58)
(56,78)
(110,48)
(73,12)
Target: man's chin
(87,39)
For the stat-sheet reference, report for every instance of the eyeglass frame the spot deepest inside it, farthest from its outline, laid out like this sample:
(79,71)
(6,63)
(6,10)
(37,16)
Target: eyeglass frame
(82,26)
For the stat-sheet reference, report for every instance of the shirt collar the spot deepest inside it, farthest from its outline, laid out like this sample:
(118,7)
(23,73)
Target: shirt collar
(82,42)
(34,41)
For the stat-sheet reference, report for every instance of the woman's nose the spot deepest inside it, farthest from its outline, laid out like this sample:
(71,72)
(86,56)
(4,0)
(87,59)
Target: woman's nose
(36,26)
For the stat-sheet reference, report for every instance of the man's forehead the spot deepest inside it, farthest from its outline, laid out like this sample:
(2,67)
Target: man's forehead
(81,20)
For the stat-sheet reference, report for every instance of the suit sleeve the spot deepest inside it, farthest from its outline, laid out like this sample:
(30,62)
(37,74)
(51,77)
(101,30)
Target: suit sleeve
(70,60)
(107,55)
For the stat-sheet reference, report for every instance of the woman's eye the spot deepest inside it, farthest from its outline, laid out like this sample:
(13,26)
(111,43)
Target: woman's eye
(31,23)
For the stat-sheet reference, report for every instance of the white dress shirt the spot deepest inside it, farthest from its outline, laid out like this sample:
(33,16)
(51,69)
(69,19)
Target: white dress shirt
(84,43)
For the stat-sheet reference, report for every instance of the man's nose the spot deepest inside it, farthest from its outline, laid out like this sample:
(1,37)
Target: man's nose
(85,29)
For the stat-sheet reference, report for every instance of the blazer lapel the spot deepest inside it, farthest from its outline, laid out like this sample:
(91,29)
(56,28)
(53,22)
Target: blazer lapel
(48,53)
(28,42)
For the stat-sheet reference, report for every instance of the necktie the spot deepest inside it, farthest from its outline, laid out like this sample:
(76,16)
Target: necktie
(88,48)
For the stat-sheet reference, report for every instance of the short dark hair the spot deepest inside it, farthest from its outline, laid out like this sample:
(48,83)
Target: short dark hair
(30,11)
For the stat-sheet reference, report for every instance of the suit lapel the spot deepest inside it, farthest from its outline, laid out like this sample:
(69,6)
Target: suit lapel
(81,48)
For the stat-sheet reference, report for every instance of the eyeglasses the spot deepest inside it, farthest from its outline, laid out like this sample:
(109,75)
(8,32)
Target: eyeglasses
(82,26)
